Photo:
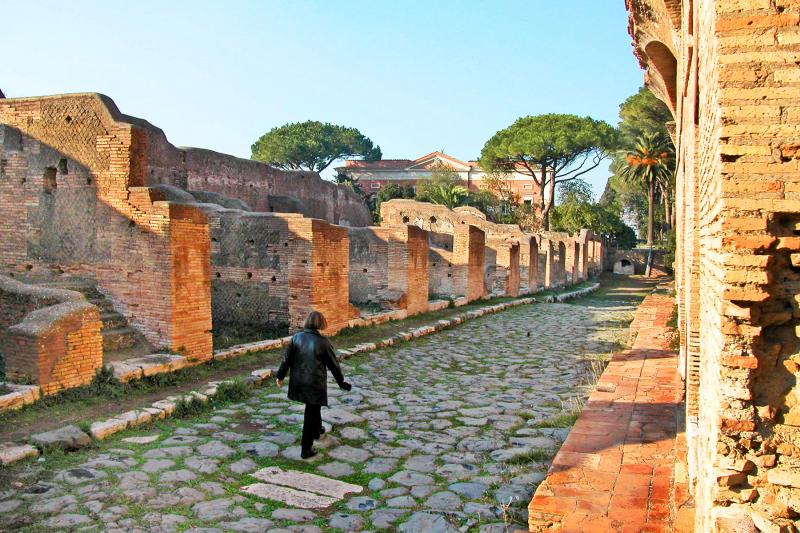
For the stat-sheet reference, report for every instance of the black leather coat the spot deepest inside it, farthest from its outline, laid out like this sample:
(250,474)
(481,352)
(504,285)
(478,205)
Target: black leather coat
(307,357)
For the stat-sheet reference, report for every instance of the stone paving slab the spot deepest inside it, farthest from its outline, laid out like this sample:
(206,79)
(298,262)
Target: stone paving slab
(307,482)
(289,496)
(616,471)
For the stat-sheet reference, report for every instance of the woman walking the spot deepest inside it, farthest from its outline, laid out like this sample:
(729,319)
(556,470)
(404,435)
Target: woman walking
(307,359)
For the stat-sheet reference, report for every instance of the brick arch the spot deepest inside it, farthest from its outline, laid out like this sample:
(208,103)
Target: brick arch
(662,72)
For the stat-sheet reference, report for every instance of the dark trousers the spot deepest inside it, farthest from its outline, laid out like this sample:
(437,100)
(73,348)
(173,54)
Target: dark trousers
(312,422)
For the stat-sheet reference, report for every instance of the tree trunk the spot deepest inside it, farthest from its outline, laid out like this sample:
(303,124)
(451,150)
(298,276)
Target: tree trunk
(667,212)
(651,194)
(551,200)
(545,211)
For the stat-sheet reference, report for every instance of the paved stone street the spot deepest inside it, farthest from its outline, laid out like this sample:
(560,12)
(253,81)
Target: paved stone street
(451,432)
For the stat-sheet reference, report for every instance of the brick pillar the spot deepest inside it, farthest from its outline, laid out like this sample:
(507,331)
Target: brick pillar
(468,257)
(533,269)
(190,267)
(548,263)
(319,273)
(576,261)
(408,267)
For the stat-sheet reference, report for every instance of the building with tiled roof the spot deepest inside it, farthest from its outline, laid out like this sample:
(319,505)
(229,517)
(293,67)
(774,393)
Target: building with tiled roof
(374,175)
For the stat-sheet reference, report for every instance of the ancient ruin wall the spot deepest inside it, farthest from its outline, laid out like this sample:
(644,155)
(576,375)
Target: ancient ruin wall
(48,337)
(440,266)
(73,203)
(262,187)
(369,266)
(389,267)
(726,73)
(502,271)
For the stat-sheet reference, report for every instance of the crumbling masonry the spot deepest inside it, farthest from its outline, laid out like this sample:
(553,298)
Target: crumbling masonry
(728,70)
(115,244)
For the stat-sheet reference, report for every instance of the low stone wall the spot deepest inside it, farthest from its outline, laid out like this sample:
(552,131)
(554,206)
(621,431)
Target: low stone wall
(47,336)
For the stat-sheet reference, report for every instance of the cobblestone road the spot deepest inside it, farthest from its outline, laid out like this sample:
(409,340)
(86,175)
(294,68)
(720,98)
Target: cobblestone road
(443,433)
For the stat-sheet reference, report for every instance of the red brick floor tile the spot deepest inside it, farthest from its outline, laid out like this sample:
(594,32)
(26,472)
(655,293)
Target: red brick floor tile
(615,472)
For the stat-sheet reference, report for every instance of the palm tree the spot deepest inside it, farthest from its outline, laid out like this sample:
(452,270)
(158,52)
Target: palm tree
(649,164)
(447,194)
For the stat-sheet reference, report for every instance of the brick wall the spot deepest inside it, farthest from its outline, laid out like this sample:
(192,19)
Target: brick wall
(73,204)
(728,71)
(389,266)
(49,337)
(262,187)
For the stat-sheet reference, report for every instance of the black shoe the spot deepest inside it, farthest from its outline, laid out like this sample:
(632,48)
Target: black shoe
(308,454)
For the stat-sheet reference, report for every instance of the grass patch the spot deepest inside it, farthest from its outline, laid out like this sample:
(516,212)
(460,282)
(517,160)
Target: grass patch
(232,391)
(564,420)
(533,456)
(231,334)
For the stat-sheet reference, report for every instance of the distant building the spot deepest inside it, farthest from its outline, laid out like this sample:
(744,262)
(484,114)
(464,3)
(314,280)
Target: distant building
(374,175)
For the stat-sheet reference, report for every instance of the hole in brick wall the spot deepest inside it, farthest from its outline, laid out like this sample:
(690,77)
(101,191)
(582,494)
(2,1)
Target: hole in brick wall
(405,220)
(28,267)
(238,294)
(218,275)
(251,241)
(68,120)
(273,278)
(131,224)
(449,275)
(304,261)
(49,183)
(88,181)
(22,181)
(432,220)
(286,244)
(249,275)
(785,224)
(730,158)
(434,264)
(213,239)
(3,165)
(62,166)
(365,270)
(449,265)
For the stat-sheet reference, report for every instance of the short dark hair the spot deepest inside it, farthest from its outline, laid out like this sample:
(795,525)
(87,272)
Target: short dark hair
(315,320)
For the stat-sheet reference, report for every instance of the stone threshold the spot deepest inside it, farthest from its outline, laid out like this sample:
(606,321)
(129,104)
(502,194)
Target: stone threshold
(72,437)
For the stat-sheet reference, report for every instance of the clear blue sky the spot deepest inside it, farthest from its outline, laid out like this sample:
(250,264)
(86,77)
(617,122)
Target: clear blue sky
(414,76)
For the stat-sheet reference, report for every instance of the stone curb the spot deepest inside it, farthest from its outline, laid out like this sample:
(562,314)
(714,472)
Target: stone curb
(71,437)
(164,408)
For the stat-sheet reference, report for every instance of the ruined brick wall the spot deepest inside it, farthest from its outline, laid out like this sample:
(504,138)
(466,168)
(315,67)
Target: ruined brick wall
(369,265)
(440,265)
(726,68)
(48,337)
(469,248)
(389,266)
(411,254)
(501,266)
(440,219)
(73,205)
(318,272)
(260,186)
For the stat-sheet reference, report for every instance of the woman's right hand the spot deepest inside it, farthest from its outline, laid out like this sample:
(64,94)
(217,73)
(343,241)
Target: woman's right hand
(279,382)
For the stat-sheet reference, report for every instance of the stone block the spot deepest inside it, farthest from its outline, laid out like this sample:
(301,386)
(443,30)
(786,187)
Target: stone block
(67,438)
(11,453)
(105,428)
